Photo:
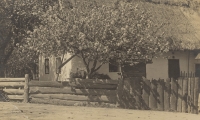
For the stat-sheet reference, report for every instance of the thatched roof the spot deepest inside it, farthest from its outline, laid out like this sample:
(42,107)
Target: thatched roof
(184,24)
(183,27)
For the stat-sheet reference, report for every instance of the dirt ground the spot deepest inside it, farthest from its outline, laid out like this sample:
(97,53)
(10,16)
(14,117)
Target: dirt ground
(21,111)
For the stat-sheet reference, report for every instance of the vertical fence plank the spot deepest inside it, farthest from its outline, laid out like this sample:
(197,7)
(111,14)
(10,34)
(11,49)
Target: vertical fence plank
(189,95)
(192,94)
(26,89)
(128,96)
(153,95)
(180,94)
(119,92)
(146,94)
(185,94)
(196,95)
(167,90)
(160,90)
(174,91)
(138,92)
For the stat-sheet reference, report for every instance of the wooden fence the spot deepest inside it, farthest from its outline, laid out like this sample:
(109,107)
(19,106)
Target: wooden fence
(13,88)
(74,91)
(179,95)
(165,95)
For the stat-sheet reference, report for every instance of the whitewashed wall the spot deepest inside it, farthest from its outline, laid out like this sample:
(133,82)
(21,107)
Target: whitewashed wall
(72,65)
(158,69)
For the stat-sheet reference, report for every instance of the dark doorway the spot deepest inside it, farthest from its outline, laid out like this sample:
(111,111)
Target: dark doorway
(197,70)
(173,68)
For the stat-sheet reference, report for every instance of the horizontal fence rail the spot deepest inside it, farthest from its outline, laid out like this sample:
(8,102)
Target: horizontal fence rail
(73,91)
(12,79)
(179,95)
(12,88)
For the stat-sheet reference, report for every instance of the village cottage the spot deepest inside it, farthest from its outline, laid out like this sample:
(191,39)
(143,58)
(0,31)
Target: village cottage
(183,31)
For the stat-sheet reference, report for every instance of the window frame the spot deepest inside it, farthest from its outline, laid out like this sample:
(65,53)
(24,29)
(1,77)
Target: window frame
(110,66)
(58,71)
(46,66)
(196,74)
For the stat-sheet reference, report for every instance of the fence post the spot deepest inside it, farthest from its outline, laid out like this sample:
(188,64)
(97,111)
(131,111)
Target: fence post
(119,93)
(174,92)
(192,94)
(180,94)
(196,95)
(153,95)
(146,93)
(26,89)
(185,95)
(160,91)
(189,95)
(167,93)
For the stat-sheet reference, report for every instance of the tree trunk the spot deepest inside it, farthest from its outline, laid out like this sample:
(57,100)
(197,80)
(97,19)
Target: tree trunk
(5,72)
(88,75)
(67,61)
(33,74)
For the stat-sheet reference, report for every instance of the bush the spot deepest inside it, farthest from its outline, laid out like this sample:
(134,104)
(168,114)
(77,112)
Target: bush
(100,76)
(78,74)
(82,74)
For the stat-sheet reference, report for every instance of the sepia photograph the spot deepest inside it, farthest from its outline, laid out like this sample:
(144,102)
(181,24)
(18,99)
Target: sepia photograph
(99,59)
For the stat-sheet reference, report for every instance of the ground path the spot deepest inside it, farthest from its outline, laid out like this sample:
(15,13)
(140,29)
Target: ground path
(21,111)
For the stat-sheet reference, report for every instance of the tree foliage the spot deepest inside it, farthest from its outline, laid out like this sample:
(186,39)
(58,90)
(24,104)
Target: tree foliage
(97,33)
(17,17)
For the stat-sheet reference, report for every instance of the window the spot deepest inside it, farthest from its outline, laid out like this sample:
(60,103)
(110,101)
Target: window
(173,68)
(136,70)
(46,66)
(113,66)
(197,70)
(58,63)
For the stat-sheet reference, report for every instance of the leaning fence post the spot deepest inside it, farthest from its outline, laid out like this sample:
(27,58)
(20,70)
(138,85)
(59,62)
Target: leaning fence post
(26,89)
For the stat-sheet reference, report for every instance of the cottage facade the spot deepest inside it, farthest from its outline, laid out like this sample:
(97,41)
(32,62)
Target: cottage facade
(183,31)
(170,64)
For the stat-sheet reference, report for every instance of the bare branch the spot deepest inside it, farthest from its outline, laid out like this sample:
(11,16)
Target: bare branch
(85,63)
(67,60)
(98,67)
(94,64)
(61,18)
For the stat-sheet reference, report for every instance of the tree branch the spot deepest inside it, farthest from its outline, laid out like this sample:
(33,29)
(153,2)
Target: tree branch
(98,67)
(61,62)
(7,40)
(88,62)
(1,35)
(61,18)
(85,63)
(154,32)
(94,64)
(8,55)
(67,60)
